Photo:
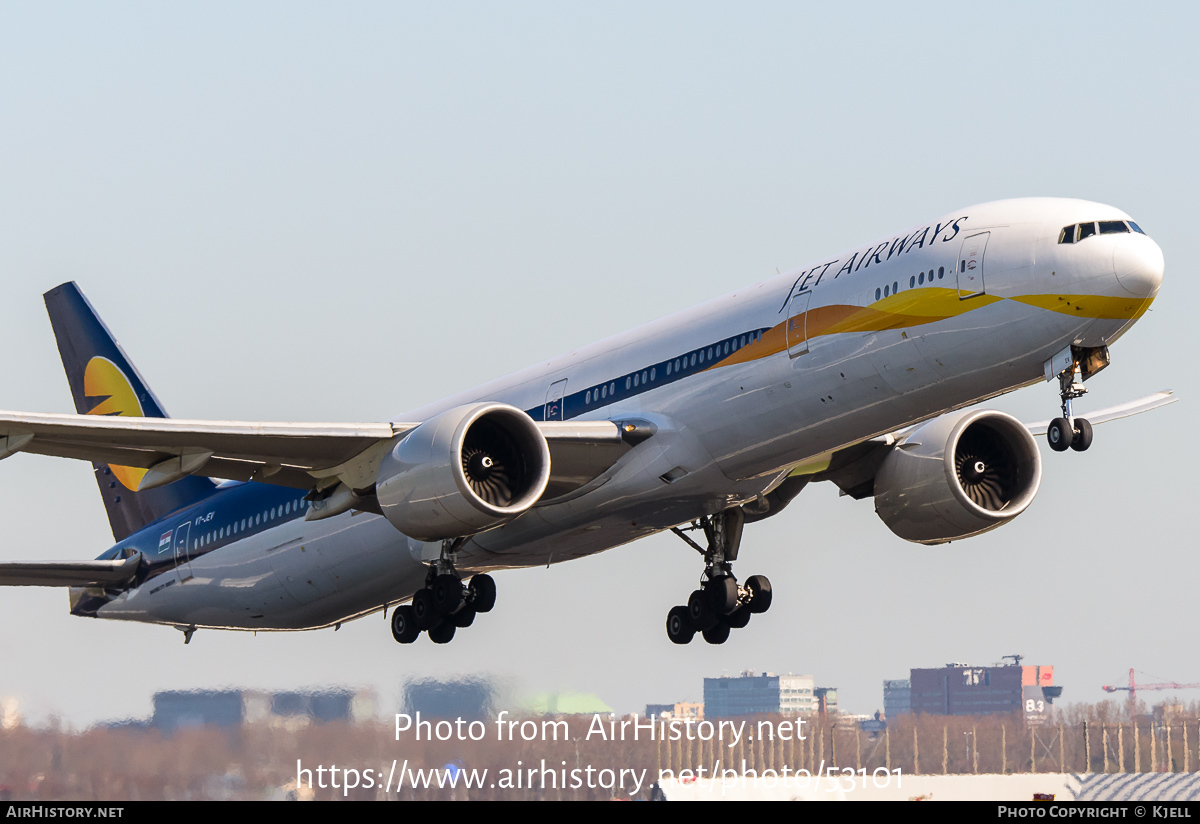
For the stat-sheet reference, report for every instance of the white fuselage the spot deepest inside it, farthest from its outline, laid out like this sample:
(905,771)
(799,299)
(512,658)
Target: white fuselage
(817,359)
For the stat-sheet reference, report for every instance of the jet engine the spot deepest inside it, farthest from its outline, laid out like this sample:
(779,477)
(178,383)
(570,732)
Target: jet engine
(958,475)
(464,471)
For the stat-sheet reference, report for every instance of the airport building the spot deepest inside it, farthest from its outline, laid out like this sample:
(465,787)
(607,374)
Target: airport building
(963,689)
(750,694)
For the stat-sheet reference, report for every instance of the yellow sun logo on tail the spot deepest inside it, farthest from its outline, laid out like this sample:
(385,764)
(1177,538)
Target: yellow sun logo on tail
(104,379)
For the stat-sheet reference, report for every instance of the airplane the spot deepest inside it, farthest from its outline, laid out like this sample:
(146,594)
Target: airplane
(860,369)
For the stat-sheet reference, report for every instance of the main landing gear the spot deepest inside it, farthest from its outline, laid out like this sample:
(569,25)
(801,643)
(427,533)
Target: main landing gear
(1068,431)
(444,604)
(720,604)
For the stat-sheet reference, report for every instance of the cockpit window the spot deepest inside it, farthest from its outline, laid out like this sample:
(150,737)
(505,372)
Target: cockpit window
(1076,233)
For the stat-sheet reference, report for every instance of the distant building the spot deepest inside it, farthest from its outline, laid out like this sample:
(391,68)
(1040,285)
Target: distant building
(826,698)
(750,694)
(233,708)
(897,697)
(682,709)
(467,698)
(962,689)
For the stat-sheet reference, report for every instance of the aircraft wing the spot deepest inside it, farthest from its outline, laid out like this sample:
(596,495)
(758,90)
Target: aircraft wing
(68,573)
(300,455)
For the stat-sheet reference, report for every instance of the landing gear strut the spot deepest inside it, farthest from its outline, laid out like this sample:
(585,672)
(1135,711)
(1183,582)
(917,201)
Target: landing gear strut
(720,604)
(444,604)
(1069,431)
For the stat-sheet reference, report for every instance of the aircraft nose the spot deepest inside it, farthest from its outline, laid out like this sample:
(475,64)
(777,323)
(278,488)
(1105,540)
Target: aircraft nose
(1138,265)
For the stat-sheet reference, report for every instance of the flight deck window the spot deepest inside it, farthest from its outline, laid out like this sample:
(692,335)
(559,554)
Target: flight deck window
(1067,235)
(1086,230)
(1113,227)
(1136,228)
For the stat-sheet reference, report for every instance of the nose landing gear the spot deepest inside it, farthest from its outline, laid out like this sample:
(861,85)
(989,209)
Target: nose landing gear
(444,604)
(1069,431)
(720,604)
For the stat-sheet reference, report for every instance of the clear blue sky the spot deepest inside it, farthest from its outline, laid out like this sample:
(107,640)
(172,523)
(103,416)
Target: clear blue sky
(339,212)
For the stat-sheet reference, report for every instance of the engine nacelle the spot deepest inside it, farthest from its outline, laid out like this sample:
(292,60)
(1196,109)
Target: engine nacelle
(957,476)
(464,471)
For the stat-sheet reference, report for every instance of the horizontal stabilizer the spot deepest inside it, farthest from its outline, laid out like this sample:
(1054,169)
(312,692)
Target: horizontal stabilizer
(68,573)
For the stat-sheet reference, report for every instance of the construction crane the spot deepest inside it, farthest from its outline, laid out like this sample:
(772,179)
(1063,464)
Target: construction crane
(1134,687)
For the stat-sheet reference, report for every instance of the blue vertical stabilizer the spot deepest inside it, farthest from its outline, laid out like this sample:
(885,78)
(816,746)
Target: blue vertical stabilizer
(105,382)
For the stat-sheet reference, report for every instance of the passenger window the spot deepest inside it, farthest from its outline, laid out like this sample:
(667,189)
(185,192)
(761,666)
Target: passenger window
(912,281)
(643,377)
(612,388)
(878,294)
(743,340)
(921,279)
(588,397)
(1067,235)
(628,382)
(887,290)
(652,371)
(941,271)
(895,288)
(1113,227)
(1086,230)
(635,380)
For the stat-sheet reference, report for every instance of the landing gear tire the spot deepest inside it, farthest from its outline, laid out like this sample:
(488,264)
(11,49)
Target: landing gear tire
(447,593)
(760,593)
(739,617)
(1060,435)
(700,611)
(717,634)
(722,594)
(463,618)
(1083,435)
(482,590)
(404,625)
(443,633)
(679,626)
(423,609)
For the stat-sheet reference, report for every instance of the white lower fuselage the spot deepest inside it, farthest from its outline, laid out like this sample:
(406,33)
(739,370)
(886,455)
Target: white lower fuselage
(836,365)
